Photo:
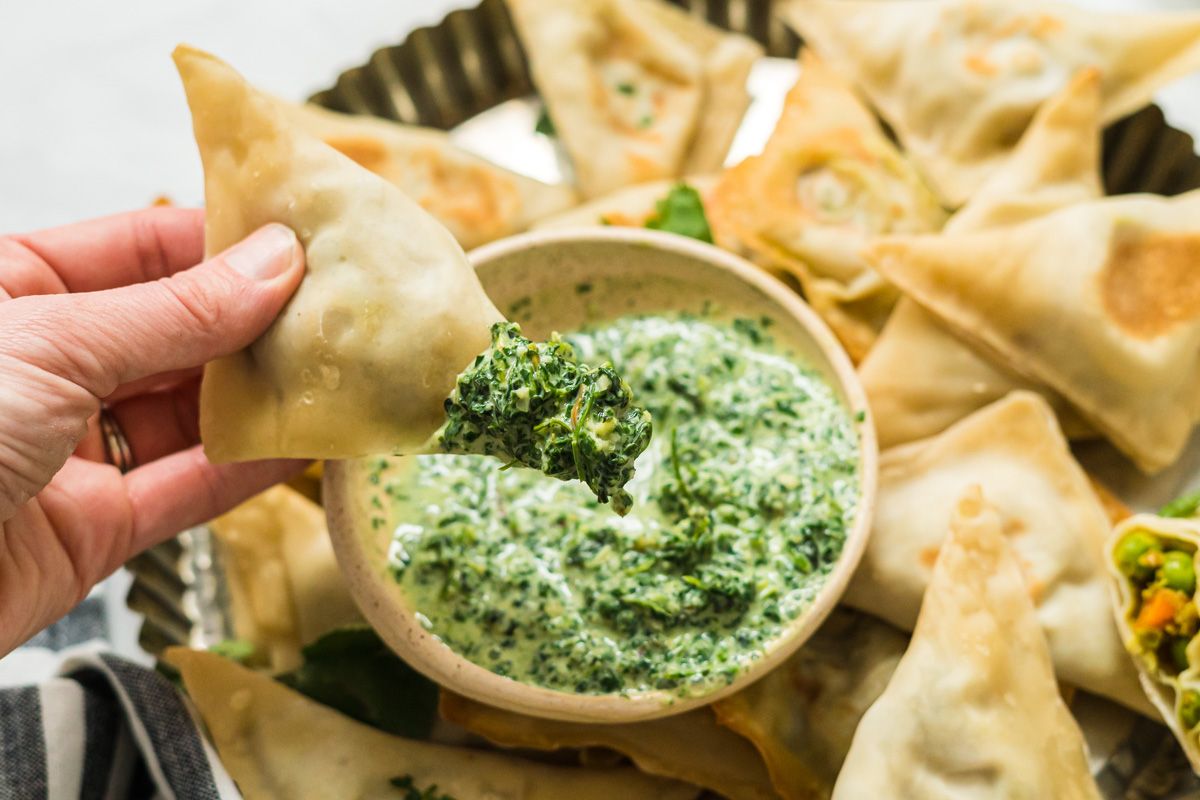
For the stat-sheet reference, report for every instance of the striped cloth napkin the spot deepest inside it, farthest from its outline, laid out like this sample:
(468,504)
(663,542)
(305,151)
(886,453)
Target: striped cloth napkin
(104,728)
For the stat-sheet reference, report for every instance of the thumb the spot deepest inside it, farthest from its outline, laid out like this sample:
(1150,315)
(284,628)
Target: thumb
(100,340)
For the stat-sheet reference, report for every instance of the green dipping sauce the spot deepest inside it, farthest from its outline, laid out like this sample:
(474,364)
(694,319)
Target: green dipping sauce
(742,505)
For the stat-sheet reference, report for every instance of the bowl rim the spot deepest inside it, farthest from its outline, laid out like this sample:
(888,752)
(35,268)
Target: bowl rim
(398,625)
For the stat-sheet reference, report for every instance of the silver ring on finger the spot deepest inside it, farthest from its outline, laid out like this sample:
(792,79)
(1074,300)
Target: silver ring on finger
(116,446)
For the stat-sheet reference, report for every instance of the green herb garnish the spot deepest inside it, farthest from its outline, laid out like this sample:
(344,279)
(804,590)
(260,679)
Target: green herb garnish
(534,405)
(351,670)
(1185,506)
(744,498)
(411,792)
(545,125)
(626,88)
(682,212)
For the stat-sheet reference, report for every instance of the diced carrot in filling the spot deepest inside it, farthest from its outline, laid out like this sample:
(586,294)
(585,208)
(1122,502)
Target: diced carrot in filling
(1160,608)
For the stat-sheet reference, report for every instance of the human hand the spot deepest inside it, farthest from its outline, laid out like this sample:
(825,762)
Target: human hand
(113,311)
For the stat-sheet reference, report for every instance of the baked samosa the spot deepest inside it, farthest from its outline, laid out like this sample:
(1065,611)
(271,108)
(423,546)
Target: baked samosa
(960,80)
(476,200)
(285,588)
(279,745)
(1053,518)
(802,715)
(1099,301)
(919,377)
(973,709)
(1152,560)
(362,358)
(690,747)
(827,180)
(637,91)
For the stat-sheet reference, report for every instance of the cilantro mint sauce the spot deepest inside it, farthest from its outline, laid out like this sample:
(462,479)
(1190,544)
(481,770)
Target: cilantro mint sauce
(742,503)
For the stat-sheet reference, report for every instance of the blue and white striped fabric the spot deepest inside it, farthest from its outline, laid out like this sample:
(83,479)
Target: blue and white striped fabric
(105,729)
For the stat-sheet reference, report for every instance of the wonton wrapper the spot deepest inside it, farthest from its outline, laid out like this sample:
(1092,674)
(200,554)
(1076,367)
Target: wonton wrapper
(476,200)
(919,377)
(960,80)
(973,709)
(637,90)
(630,207)
(691,747)
(1016,452)
(279,745)
(1164,693)
(1099,301)
(826,181)
(802,715)
(284,584)
(389,312)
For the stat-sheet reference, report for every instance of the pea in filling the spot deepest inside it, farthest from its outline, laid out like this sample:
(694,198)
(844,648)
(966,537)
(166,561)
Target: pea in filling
(534,405)
(1164,617)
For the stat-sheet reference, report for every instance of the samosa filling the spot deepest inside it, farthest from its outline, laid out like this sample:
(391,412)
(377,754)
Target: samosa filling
(1164,617)
(534,405)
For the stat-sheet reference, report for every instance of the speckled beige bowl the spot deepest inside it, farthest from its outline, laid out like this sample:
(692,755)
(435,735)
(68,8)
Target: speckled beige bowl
(559,280)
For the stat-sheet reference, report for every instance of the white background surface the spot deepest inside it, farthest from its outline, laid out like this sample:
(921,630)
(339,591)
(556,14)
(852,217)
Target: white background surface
(92,117)
(93,121)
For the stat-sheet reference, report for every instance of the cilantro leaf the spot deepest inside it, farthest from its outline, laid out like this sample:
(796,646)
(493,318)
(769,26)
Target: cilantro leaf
(413,792)
(545,125)
(682,212)
(352,670)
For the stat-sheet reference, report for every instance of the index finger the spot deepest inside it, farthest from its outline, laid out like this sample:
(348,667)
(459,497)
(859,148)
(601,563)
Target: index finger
(102,253)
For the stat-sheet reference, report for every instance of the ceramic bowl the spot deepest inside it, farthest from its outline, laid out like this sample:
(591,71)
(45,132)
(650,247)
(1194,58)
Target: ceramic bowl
(560,280)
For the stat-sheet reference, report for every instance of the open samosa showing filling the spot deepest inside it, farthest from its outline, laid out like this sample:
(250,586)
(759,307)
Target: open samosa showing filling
(537,406)
(1164,616)
(1153,564)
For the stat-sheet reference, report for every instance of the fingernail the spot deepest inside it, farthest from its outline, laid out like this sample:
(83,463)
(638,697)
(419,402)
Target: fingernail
(268,252)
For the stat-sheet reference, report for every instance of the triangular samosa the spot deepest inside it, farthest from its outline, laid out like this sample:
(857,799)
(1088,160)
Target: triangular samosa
(277,744)
(960,80)
(475,199)
(1099,301)
(827,180)
(919,377)
(973,709)
(801,716)
(636,91)
(1053,517)
(690,747)
(365,353)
